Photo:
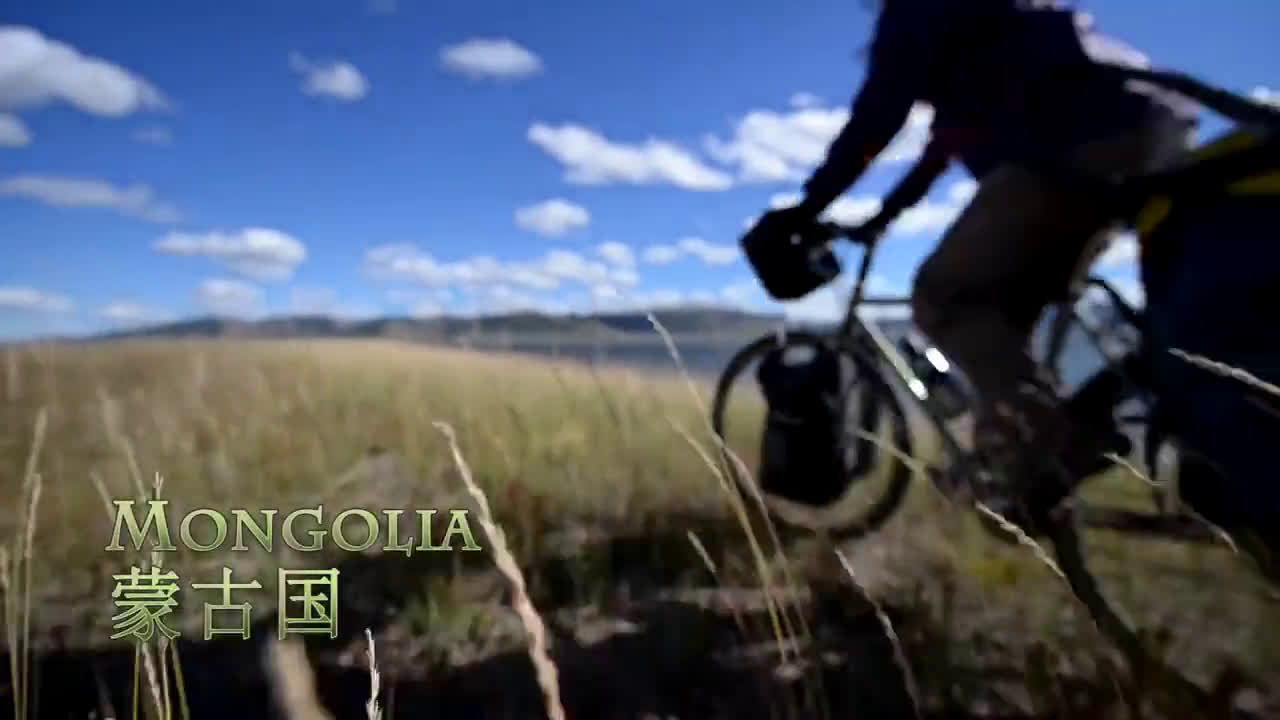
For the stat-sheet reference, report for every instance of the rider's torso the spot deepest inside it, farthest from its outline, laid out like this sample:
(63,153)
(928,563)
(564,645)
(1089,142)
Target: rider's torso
(1006,80)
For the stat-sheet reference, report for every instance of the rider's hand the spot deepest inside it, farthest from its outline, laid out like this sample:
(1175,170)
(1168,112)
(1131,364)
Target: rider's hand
(783,248)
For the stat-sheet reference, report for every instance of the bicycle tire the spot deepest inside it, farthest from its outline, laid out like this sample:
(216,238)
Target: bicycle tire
(878,397)
(1064,535)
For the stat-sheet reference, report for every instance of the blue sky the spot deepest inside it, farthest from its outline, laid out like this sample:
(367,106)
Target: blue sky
(358,157)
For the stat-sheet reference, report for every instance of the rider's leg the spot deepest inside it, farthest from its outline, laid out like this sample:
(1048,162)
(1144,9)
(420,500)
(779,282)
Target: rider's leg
(980,293)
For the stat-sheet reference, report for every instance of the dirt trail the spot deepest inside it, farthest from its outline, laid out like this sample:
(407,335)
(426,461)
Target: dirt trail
(669,653)
(660,642)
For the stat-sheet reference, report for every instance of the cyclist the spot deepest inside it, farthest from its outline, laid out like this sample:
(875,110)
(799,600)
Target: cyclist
(1014,86)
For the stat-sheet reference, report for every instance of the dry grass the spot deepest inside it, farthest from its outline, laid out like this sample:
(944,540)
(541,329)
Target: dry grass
(274,424)
(506,562)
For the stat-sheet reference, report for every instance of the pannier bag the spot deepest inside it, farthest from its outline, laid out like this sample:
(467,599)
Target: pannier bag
(803,453)
(1211,269)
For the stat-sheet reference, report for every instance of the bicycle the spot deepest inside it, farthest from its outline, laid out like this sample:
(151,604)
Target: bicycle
(888,375)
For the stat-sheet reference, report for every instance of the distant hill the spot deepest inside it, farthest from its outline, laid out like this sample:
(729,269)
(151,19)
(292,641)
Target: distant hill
(706,336)
(599,327)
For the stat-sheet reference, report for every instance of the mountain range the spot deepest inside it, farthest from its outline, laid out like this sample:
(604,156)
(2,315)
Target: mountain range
(519,326)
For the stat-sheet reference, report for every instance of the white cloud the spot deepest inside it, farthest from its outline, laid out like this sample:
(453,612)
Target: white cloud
(767,146)
(155,135)
(503,298)
(409,263)
(128,312)
(625,276)
(552,217)
(661,254)
(605,293)
(1266,95)
(831,302)
(490,57)
(404,261)
(690,247)
(925,216)
(36,70)
(910,141)
(133,201)
(591,159)
(782,200)
(608,298)
(772,146)
(744,293)
(823,305)
(572,266)
(962,191)
(663,298)
(851,210)
(29,299)
(847,210)
(13,132)
(312,301)
(355,311)
(617,254)
(258,252)
(426,308)
(420,302)
(337,79)
(229,297)
(383,7)
(498,298)
(803,100)
(708,253)
(533,278)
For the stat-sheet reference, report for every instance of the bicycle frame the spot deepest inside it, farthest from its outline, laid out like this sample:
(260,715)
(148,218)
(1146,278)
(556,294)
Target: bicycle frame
(853,327)
(870,339)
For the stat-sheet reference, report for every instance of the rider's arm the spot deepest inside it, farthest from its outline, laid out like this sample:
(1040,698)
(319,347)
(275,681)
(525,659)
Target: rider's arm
(880,108)
(912,187)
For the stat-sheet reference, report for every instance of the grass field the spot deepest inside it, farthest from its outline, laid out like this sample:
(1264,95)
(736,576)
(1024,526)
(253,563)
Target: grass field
(557,450)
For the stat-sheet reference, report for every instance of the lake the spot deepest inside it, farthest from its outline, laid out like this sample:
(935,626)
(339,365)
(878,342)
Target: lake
(707,357)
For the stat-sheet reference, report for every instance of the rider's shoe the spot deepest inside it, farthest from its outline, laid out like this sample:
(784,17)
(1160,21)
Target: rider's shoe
(1002,492)
(1032,455)
(1092,409)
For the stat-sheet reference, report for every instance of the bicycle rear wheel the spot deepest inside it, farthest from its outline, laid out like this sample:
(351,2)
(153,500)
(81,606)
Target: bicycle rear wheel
(881,422)
(1120,543)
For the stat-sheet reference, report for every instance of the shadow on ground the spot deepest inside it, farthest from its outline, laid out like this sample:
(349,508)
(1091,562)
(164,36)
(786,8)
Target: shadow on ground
(663,652)
(674,644)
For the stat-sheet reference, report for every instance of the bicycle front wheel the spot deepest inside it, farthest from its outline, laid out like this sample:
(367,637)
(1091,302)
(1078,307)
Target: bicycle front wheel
(876,430)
